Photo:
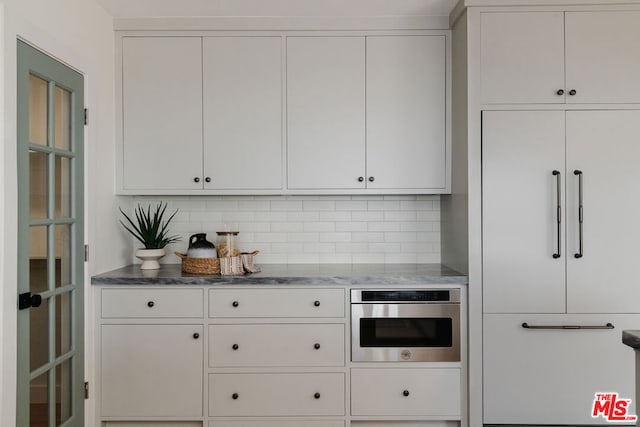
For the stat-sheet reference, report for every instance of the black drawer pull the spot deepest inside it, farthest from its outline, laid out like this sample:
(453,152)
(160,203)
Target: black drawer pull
(235,303)
(316,395)
(316,303)
(525,325)
(316,346)
(235,346)
(235,396)
(150,304)
(405,393)
(196,335)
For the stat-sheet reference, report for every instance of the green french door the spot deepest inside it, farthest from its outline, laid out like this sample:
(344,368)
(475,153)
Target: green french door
(50,371)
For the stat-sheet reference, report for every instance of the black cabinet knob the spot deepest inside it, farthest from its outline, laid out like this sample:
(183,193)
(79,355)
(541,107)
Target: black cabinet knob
(572,92)
(196,179)
(235,346)
(235,303)
(36,301)
(560,92)
(371,179)
(316,346)
(207,179)
(150,304)
(316,303)
(196,335)
(360,178)
(235,396)
(405,393)
(316,395)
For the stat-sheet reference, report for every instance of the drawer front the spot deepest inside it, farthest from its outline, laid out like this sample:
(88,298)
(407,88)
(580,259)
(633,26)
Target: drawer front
(276,303)
(272,395)
(572,365)
(429,392)
(152,303)
(276,345)
(278,423)
(153,424)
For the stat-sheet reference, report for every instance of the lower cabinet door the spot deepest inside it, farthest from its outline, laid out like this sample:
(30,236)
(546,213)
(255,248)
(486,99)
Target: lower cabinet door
(412,391)
(276,394)
(151,371)
(551,376)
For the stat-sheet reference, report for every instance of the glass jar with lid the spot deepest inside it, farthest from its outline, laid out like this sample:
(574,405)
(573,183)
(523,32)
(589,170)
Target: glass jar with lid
(226,244)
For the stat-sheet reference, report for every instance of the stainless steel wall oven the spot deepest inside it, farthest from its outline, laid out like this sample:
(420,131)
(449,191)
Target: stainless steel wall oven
(414,325)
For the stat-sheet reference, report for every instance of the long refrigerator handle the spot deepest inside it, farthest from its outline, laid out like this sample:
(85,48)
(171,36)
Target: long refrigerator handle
(580,253)
(557,174)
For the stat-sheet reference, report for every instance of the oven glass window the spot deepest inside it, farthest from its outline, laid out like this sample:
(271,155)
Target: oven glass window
(406,332)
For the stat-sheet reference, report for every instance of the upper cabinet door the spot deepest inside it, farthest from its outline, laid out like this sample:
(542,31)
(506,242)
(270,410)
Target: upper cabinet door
(522,57)
(162,113)
(326,112)
(242,89)
(603,145)
(520,151)
(406,112)
(603,63)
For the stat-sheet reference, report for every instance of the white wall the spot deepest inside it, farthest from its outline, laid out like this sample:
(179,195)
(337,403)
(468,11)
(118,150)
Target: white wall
(313,229)
(79,33)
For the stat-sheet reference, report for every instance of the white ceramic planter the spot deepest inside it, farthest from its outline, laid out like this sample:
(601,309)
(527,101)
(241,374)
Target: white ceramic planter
(150,258)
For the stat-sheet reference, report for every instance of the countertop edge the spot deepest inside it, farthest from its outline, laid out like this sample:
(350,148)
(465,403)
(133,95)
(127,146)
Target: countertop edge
(323,274)
(631,338)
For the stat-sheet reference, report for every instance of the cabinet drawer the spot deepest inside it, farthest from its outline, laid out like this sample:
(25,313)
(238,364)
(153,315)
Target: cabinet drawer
(153,424)
(276,394)
(571,365)
(430,392)
(276,345)
(152,303)
(276,303)
(278,423)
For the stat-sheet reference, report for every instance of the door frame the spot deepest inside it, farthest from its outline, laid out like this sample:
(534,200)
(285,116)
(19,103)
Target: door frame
(15,26)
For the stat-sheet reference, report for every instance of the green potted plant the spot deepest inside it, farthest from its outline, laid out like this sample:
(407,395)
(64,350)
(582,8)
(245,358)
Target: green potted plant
(151,229)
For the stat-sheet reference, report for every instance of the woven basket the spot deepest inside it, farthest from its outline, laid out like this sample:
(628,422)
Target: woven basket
(210,266)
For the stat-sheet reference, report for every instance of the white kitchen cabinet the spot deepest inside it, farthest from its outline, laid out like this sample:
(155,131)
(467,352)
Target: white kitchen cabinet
(201,114)
(242,111)
(151,370)
(367,113)
(274,345)
(326,112)
(161,113)
(281,394)
(520,211)
(433,392)
(278,423)
(558,57)
(538,376)
(406,112)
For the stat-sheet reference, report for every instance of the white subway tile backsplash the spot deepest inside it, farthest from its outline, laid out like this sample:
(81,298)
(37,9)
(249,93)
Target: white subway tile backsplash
(313,229)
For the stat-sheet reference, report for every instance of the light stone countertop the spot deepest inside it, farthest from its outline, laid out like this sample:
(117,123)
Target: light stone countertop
(292,274)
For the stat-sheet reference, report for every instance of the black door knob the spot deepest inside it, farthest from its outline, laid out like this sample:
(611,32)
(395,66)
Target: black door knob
(371,179)
(196,179)
(150,304)
(316,395)
(560,92)
(207,179)
(196,335)
(316,303)
(405,393)
(572,92)
(235,303)
(360,178)
(234,396)
(36,301)
(235,346)
(316,346)
(26,300)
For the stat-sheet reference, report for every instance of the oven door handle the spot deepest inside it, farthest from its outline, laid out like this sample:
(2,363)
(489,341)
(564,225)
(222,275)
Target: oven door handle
(609,325)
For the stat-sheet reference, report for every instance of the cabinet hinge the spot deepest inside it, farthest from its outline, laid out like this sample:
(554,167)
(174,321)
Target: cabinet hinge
(86,390)
(86,116)
(86,253)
